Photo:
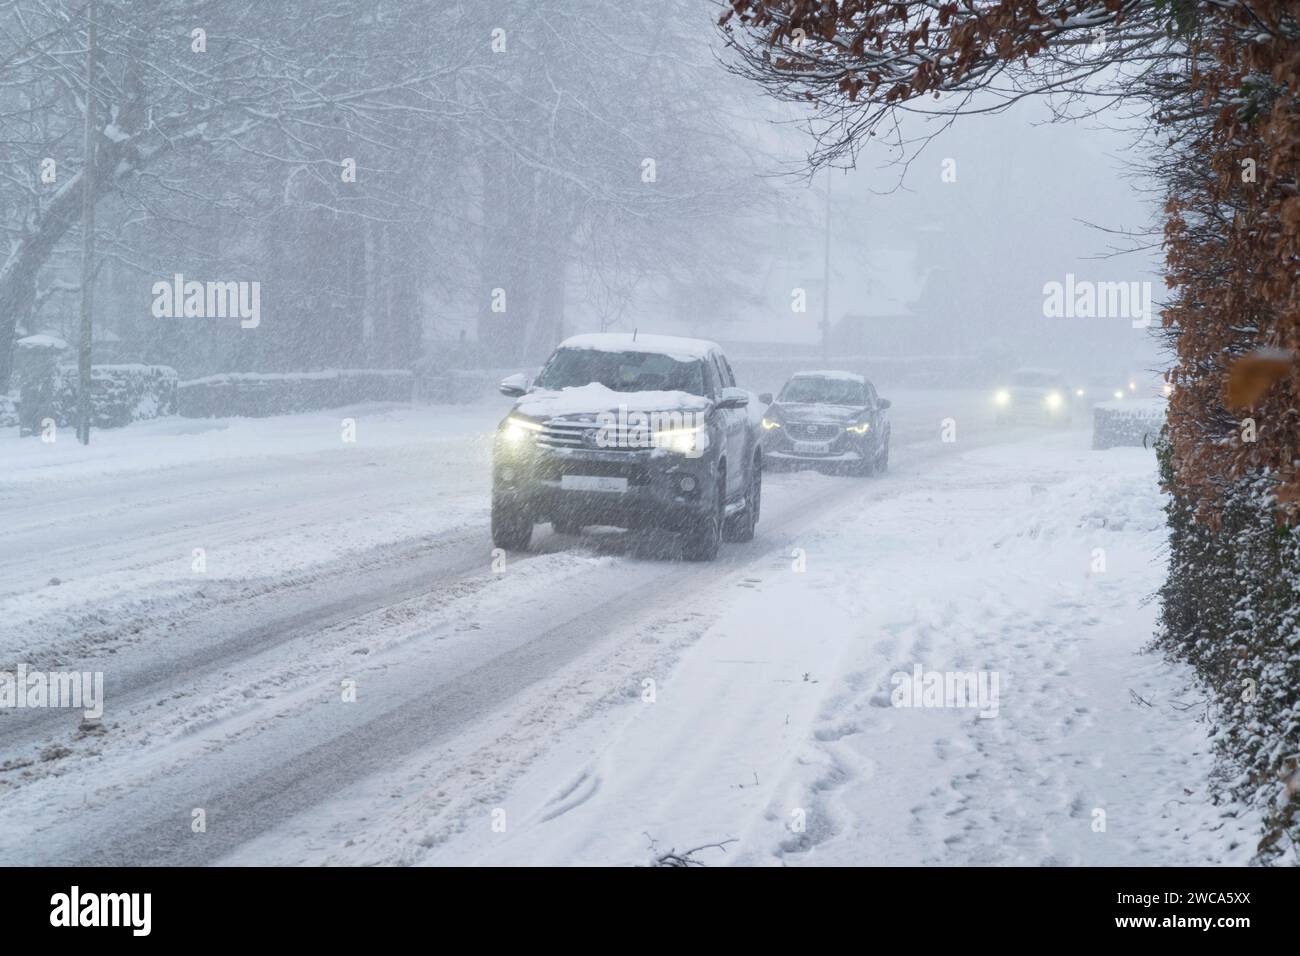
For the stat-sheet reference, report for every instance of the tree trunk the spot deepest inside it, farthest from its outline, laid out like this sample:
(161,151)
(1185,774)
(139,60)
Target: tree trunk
(18,274)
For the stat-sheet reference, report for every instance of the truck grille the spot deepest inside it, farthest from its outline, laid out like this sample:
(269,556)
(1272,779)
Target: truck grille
(570,433)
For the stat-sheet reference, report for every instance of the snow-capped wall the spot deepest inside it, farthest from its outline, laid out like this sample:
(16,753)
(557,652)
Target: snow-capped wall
(1127,422)
(257,395)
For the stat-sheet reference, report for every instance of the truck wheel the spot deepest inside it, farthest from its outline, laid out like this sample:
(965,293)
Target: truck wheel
(705,539)
(741,527)
(512,528)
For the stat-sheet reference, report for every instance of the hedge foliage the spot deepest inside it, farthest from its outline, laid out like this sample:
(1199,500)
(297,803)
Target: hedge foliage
(1231,609)
(259,395)
(119,395)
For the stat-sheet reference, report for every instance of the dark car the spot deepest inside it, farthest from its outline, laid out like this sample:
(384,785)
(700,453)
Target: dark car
(828,419)
(634,431)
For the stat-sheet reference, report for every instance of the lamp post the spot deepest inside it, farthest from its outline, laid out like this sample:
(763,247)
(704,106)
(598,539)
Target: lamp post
(826,277)
(87,239)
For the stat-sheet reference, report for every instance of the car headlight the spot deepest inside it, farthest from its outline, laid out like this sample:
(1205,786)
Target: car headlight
(683,441)
(517,431)
(1079,392)
(769,424)
(861,429)
(1054,400)
(1119,393)
(1002,397)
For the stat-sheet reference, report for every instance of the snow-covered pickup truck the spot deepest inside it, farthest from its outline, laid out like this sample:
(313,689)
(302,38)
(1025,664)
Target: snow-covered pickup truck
(634,431)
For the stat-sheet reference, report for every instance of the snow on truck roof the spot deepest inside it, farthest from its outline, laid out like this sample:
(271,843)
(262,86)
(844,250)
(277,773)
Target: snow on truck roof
(680,348)
(847,376)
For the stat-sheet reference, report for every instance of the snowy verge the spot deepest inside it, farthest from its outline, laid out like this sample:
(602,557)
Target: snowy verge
(151,520)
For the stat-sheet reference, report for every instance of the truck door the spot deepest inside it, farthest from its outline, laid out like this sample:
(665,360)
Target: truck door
(734,427)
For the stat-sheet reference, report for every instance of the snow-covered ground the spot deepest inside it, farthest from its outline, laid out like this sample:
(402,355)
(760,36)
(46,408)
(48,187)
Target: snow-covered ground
(90,537)
(594,701)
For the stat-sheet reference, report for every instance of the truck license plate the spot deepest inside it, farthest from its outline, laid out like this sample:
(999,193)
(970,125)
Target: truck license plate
(592,483)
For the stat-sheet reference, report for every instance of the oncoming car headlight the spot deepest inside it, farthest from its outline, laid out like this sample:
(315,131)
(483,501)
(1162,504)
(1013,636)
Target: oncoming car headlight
(516,430)
(1002,397)
(859,429)
(770,423)
(1054,401)
(683,441)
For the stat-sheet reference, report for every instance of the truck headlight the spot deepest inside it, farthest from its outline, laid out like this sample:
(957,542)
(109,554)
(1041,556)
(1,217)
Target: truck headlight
(517,431)
(1054,401)
(1002,397)
(683,441)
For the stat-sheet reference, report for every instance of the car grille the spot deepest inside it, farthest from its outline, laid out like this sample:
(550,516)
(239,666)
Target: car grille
(562,433)
(805,431)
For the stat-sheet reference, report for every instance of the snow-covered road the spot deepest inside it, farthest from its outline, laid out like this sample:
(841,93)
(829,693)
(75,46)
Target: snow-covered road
(595,701)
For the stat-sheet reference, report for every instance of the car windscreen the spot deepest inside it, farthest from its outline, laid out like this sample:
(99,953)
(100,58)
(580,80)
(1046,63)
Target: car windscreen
(623,371)
(810,390)
(1036,380)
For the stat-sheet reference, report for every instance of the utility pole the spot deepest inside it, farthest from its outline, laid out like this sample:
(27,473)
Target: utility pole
(87,239)
(826,277)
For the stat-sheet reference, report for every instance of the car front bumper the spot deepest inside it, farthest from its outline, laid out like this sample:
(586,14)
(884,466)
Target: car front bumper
(844,447)
(846,456)
(1034,414)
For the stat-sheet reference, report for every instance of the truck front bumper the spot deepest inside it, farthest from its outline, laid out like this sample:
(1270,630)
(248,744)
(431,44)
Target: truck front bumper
(657,489)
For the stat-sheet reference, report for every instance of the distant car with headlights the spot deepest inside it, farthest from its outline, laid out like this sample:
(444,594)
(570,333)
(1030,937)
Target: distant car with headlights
(831,418)
(1117,387)
(1035,395)
(634,431)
